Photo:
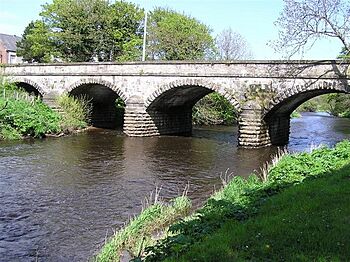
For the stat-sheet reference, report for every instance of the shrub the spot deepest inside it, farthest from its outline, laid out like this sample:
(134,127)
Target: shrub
(213,109)
(21,115)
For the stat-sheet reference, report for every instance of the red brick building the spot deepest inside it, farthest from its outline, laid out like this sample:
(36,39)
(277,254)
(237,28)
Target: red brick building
(8,49)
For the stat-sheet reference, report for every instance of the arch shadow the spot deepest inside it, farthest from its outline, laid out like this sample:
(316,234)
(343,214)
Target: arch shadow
(170,105)
(29,86)
(107,102)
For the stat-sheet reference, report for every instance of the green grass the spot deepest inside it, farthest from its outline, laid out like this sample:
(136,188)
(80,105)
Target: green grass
(295,114)
(264,220)
(140,232)
(306,222)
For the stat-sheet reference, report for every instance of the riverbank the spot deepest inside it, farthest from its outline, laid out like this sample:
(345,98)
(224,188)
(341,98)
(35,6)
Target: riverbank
(296,210)
(306,222)
(23,115)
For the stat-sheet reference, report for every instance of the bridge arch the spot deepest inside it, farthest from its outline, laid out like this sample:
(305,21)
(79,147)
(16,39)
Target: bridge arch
(28,85)
(286,102)
(277,115)
(170,105)
(193,89)
(107,101)
(101,82)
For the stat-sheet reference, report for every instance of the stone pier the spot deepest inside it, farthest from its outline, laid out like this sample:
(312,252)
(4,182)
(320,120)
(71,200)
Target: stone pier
(253,131)
(138,121)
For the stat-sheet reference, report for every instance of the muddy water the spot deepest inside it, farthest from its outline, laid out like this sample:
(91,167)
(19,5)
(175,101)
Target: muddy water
(61,197)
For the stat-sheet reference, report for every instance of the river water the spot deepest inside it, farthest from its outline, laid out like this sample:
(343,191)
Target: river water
(61,197)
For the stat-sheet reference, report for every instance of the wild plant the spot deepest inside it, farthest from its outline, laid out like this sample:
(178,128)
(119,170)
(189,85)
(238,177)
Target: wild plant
(266,167)
(76,112)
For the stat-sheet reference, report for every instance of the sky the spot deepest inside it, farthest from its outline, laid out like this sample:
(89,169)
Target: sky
(253,19)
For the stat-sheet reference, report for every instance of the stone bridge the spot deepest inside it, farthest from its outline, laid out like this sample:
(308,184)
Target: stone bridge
(159,96)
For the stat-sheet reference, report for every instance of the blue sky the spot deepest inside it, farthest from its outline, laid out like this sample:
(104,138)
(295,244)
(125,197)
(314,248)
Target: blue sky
(251,18)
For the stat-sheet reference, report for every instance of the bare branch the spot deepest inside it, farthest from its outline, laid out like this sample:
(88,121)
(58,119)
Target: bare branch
(303,22)
(232,46)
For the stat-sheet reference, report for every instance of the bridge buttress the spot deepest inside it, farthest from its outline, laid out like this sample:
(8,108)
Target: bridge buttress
(141,122)
(279,129)
(253,131)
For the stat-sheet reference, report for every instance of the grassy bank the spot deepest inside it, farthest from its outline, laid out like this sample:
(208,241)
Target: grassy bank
(143,230)
(307,222)
(298,212)
(23,115)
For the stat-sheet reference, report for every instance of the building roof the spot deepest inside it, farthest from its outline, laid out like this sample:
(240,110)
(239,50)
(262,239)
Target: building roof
(9,41)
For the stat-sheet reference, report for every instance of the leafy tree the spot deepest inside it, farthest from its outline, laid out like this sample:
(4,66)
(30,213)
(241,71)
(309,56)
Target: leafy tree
(88,30)
(36,44)
(126,29)
(175,36)
(339,104)
(77,26)
(214,109)
(303,22)
(232,46)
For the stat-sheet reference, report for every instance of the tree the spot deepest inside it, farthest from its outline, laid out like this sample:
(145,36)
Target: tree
(36,44)
(77,27)
(175,36)
(232,46)
(126,26)
(91,30)
(303,22)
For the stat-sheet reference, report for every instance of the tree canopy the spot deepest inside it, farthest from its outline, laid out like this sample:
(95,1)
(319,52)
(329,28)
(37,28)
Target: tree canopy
(303,22)
(86,30)
(36,44)
(175,36)
(97,30)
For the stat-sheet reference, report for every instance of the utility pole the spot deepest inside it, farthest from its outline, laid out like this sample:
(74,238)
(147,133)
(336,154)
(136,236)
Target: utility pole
(144,38)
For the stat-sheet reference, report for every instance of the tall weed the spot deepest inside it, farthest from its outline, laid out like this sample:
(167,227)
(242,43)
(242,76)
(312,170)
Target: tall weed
(76,112)
(143,230)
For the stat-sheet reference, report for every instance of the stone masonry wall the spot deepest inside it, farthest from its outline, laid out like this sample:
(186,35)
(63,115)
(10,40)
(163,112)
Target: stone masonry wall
(253,131)
(142,123)
(279,128)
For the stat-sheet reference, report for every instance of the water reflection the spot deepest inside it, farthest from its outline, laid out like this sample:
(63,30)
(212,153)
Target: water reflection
(61,197)
(317,128)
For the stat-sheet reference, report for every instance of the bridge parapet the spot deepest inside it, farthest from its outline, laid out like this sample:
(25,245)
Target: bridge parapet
(328,69)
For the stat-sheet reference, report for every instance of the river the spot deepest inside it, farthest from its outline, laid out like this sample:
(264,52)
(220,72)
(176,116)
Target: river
(61,197)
